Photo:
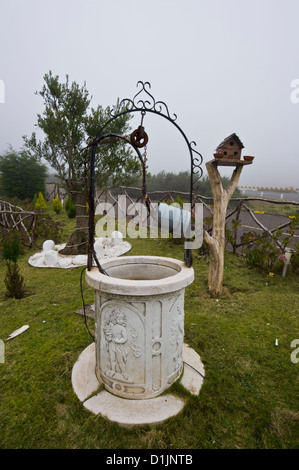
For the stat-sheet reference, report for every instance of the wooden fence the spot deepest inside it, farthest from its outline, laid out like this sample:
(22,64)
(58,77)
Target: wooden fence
(14,218)
(237,217)
(55,189)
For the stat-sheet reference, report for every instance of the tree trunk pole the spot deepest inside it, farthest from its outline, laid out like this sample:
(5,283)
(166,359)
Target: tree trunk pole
(216,241)
(78,242)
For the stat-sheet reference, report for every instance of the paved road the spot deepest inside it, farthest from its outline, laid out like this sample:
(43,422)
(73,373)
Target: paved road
(269,221)
(282,196)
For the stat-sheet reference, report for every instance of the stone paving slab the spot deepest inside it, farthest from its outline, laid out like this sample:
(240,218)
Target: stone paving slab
(194,372)
(127,412)
(84,379)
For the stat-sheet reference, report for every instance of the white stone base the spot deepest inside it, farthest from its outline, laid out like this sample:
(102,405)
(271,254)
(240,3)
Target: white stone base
(127,412)
(50,258)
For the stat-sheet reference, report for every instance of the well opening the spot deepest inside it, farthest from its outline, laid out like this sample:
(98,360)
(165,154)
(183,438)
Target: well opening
(141,271)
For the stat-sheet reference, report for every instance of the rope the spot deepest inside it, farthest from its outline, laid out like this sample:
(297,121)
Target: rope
(187,364)
(79,244)
(83,302)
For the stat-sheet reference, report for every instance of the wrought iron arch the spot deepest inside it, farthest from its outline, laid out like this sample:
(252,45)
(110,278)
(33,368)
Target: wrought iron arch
(142,104)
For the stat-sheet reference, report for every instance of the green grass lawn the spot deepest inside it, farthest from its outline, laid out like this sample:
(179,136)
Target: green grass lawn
(249,399)
(274,209)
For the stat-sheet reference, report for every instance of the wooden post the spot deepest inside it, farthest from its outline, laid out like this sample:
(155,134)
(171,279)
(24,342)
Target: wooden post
(216,241)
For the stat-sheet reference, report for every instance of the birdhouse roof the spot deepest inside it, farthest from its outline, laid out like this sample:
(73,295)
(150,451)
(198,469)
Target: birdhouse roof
(229,138)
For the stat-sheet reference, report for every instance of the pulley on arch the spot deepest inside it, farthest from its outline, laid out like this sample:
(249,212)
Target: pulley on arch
(139,137)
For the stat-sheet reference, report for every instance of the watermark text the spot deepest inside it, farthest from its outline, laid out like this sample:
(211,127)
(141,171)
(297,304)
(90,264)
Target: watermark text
(154,459)
(294,96)
(152,219)
(2,352)
(295,353)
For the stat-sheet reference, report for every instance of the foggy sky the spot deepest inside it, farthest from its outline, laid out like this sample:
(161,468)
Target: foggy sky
(221,66)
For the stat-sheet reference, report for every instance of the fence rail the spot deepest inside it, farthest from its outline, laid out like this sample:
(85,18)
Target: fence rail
(14,218)
(55,189)
(240,218)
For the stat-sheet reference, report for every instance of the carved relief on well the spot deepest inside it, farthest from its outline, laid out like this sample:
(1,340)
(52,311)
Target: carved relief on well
(156,346)
(139,343)
(122,338)
(176,339)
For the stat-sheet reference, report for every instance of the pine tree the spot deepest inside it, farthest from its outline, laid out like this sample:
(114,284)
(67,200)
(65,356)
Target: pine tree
(14,281)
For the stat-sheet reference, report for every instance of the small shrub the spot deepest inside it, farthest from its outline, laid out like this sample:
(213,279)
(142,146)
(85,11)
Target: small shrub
(263,252)
(231,235)
(40,203)
(56,205)
(14,281)
(70,208)
(179,201)
(11,247)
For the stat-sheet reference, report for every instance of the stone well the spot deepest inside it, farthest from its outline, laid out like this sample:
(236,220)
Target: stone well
(139,323)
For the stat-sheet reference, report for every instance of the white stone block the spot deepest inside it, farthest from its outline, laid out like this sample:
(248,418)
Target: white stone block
(106,241)
(48,245)
(194,372)
(80,260)
(84,380)
(64,262)
(116,238)
(51,258)
(39,261)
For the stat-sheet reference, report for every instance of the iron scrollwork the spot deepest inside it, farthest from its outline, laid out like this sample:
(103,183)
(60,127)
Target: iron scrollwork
(142,102)
(148,103)
(197,170)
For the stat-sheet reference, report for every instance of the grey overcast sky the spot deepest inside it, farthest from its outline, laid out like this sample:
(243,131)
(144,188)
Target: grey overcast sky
(221,66)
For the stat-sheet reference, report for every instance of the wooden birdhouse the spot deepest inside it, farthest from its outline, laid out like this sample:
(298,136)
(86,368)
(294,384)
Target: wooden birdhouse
(231,148)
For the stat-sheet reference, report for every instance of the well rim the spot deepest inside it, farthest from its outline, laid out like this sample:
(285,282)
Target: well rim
(181,278)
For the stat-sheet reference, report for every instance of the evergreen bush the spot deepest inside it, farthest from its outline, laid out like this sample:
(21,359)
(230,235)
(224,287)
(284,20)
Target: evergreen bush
(14,281)
(56,205)
(40,203)
(70,208)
